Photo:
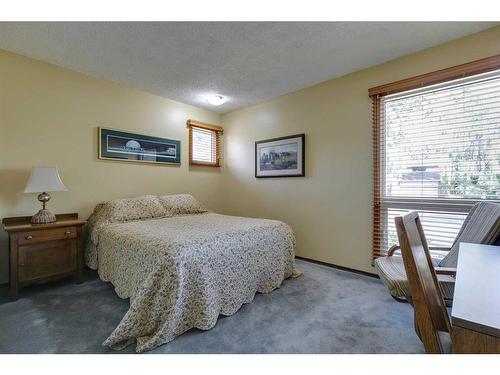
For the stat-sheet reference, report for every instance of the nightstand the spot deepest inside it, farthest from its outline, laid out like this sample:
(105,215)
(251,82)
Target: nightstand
(43,252)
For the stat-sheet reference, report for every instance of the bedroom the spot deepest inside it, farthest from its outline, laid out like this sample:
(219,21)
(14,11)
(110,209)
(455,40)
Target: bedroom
(158,141)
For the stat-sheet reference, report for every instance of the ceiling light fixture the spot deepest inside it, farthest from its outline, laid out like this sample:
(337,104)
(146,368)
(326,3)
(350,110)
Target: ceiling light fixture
(216,99)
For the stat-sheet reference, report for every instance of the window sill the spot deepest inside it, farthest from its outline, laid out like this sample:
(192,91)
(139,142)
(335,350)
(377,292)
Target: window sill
(203,164)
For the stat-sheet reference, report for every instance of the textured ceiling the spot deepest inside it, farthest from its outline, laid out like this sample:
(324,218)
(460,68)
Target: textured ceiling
(247,62)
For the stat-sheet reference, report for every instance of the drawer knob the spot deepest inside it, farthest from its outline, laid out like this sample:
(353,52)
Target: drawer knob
(67,232)
(29,237)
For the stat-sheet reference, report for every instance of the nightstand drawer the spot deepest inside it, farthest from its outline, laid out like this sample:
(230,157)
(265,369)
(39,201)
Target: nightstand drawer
(47,235)
(45,259)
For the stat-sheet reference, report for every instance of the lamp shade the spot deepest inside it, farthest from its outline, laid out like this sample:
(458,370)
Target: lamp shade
(44,179)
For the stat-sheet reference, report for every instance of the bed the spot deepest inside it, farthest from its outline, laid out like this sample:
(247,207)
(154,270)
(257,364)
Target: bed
(182,266)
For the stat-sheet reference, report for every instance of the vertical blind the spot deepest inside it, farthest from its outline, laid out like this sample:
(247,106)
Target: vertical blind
(204,144)
(437,151)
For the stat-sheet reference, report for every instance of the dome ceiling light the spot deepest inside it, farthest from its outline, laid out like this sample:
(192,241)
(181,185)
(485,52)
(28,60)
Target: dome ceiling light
(216,100)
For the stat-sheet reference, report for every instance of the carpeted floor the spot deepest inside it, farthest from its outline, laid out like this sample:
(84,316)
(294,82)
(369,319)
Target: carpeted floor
(323,311)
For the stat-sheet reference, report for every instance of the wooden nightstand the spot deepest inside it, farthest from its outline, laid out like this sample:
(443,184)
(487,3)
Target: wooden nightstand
(43,252)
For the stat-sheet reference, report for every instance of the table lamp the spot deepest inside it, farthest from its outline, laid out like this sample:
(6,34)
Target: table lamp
(43,180)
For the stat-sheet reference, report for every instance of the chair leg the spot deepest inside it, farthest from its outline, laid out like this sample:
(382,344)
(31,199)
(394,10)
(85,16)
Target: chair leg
(400,299)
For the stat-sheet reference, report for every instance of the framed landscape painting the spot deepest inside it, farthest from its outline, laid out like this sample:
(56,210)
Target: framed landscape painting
(280,157)
(125,146)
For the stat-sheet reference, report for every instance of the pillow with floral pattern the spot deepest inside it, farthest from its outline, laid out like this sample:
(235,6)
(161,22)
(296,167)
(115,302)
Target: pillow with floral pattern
(182,204)
(127,209)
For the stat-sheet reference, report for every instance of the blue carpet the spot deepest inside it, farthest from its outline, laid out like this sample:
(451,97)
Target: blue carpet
(324,311)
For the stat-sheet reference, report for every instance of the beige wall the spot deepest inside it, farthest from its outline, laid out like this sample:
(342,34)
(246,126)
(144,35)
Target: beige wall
(49,115)
(330,208)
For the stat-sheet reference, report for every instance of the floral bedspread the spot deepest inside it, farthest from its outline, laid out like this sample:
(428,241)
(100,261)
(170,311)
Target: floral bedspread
(181,272)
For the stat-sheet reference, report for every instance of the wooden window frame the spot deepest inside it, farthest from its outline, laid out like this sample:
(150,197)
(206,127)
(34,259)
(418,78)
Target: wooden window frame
(379,92)
(218,134)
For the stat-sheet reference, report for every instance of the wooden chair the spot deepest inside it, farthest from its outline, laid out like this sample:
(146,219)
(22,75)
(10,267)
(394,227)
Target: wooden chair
(432,323)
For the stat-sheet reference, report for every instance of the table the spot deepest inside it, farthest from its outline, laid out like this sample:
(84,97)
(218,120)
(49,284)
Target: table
(475,314)
(43,252)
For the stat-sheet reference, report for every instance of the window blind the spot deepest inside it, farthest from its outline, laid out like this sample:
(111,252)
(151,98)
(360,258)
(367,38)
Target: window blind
(204,144)
(436,151)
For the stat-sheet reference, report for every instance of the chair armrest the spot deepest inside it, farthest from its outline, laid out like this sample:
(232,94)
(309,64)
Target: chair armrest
(395,248)
(392,250)
(445,271)
(439,248)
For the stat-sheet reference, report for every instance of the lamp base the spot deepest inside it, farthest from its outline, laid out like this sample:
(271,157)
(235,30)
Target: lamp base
(43,217)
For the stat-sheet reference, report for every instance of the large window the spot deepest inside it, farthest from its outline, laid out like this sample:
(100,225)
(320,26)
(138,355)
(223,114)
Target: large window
(204,144)
(437,151)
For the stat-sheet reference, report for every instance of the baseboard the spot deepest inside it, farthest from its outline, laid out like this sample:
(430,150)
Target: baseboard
(338,267)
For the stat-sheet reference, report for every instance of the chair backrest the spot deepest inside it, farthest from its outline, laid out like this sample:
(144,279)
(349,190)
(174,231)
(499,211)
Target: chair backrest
(430,309)
(482,225)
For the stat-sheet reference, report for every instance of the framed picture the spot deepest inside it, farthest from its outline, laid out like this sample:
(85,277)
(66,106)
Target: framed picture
(120,145)
(280,157)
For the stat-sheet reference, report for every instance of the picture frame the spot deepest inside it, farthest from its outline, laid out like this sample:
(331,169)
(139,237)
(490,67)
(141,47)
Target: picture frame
(280,157)
(121,145)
